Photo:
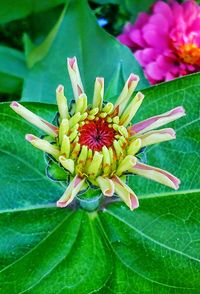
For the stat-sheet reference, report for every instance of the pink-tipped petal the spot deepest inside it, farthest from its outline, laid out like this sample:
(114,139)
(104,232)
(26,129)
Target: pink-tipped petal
(30,137)
(14,104)
(125,193)
(157,121)
(60,88)
(156,174)
(34,119)
(156,136)
(71,61)
(106,185)
(71,192)
(133,78)
(75,77)
(61,204)
(134,201)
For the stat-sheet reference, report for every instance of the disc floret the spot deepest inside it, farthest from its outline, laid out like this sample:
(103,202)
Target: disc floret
(96,144)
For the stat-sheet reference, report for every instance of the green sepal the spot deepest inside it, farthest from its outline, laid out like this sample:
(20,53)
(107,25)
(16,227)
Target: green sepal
(54,171)
(90,200)
(141,155)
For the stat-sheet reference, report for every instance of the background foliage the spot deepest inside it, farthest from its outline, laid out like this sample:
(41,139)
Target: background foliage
(154,249)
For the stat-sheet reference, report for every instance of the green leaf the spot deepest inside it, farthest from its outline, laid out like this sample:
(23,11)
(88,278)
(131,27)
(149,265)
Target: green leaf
(134,7)
(65,255)
(55,172)
(12,70)
(78,34)
(12,10)
(156,246)
(178,156)
(154,249)
(22,168)
(36,53)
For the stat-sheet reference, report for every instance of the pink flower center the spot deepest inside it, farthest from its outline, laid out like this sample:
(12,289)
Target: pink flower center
(96,133)
(189,53)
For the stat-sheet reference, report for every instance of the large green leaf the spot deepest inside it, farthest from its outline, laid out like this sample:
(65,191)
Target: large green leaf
(155,249)
(76,34)
(12,70)
(180,155)
(11,10)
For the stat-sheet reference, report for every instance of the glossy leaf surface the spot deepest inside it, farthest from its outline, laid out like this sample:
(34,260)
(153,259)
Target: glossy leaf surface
(92,46)
(154,249)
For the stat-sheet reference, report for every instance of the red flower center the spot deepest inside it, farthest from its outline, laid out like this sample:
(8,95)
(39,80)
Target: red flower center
(96,133)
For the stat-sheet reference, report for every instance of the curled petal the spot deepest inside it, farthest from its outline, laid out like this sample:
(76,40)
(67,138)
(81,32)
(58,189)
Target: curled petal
(125,193)
(106,185)
(106,160)
(65,147)
(157,121)
(74,119)
(132,108)
(75,78)
(62,102)
(134,146)
(126,164)
(82,158)
(75,151)
(95,165)
(71,192)
(127,91)
(68,164)
(34,119)
(156,174)
(108,108)
(98,93)
(81,103)
(118,149)
(43,145)
(158,136)
(63,129)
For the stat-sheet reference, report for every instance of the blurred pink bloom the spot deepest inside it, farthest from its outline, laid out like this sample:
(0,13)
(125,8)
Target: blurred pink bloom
(167,42)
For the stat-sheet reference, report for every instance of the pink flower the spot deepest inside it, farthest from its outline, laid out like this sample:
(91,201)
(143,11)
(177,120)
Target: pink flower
(166,42)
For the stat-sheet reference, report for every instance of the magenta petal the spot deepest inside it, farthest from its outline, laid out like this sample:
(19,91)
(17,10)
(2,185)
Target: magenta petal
(195,26)
(164,9)
(163,62)
(139,56)
(141,20)
(154,39)
(146,56)
(169,76)
(177,10)
(149,54)
(136,36)
(190,11)
(155,72)
(160,22)
(124,39)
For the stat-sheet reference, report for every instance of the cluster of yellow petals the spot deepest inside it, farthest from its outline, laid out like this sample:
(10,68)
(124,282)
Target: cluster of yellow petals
(189,53)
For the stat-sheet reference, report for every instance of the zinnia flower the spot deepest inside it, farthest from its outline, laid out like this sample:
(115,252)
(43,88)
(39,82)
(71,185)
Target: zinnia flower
(96,144)
(167,42)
